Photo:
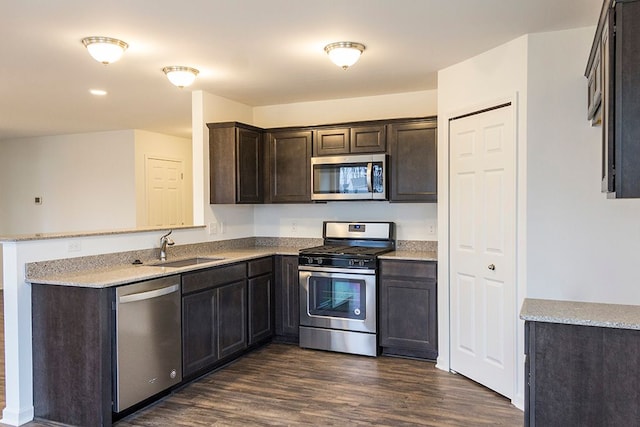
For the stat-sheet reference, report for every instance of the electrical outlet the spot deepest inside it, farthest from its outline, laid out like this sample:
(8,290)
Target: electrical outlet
(432,229)
(213,228)
(294,227)
(75,246)
(37,200)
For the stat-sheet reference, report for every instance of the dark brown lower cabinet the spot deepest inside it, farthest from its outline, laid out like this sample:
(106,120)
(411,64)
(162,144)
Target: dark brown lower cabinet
(199,331)
(408,321)
(581,375)
(72,350)
(287,299)
(214,317)
(261,310)
(232,319)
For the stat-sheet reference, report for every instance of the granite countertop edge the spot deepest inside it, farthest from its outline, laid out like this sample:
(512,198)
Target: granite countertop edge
(121,275)
(617,316)
(125,274)
(410,255)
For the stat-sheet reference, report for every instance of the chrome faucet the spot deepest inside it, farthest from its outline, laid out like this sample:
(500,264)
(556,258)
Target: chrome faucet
(164,242)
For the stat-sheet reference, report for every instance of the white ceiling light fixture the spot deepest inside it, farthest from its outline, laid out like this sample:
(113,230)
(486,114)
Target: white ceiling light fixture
(344,54)
(98,92)
(105,49)
(181,76)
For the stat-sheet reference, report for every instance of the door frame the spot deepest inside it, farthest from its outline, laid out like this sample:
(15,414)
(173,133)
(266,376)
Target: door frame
(444,301)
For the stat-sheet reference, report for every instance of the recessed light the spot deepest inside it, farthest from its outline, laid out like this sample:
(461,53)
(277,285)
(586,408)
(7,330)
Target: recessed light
(98,92)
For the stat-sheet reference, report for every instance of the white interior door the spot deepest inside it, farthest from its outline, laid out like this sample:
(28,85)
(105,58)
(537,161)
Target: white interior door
(482,246)
(164,180)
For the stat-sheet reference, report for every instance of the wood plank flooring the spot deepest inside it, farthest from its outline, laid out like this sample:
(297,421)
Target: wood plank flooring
(283,385)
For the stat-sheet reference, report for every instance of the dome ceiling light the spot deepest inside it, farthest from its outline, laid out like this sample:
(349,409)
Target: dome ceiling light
(180,76)
(344,54)
(105,49)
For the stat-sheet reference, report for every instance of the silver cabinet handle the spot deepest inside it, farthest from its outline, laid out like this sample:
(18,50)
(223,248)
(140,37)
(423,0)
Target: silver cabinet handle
(149,294)
(491,267)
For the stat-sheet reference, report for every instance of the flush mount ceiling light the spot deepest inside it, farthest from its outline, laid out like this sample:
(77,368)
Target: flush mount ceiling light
(180,76)
(105,49)
(344,54)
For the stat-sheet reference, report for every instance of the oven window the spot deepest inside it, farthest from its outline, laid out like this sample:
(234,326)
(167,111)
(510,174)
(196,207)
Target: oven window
(337,297)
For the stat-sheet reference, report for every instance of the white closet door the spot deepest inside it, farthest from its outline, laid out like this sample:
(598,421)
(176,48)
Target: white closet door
(482,245)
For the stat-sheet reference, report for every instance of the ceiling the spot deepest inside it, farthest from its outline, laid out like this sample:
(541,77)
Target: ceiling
(257,52)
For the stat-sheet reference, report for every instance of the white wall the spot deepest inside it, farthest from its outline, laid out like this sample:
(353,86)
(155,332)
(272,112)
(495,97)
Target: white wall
(151,144)
(410,104)
(581,246)
(485,80)
(573,243)
(412,220)
(85,181)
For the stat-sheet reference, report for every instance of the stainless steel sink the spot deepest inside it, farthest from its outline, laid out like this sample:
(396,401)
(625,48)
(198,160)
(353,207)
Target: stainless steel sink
(186,262)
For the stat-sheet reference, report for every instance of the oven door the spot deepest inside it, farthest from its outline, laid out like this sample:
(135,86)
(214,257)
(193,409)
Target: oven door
(338,299)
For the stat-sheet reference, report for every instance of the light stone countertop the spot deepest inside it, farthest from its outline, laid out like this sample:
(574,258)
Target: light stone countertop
(581,313)
(107,270)
(410,255)
(120,275)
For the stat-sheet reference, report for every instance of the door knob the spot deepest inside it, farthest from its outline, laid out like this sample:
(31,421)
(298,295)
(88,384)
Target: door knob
(491,267)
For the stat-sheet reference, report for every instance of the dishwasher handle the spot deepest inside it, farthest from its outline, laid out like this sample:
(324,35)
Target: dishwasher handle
(140,296)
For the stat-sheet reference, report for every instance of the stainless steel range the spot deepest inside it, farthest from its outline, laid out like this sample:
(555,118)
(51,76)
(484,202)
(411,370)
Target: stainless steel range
(338,286)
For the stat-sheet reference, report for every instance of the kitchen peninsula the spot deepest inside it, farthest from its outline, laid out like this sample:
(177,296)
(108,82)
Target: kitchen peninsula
(72,299)
(582,363)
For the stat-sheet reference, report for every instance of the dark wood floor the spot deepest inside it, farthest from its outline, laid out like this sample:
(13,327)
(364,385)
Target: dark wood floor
(283,385)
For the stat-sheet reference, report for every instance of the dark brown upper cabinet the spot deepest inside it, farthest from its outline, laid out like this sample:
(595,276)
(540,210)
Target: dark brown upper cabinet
(413,165)
(289,166)
(235,163)
(613,74)
(332,141)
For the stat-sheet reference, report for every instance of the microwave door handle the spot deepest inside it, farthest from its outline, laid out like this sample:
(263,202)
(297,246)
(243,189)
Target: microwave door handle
(370,177)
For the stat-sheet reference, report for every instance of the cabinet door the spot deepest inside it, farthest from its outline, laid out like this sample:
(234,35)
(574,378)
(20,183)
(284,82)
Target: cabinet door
(408,308)
(260,308)
(249,167)
(331,142)
(232,315)
(368,139)
(222,161)
(236,163)
(413,161)
(287,298)
(290,166)
(199,331)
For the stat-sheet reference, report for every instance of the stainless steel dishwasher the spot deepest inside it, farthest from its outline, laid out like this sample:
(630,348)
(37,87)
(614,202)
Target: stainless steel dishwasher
(148,340)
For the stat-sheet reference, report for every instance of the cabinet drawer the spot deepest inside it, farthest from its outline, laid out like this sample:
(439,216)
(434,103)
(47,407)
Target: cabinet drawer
(198,280)
(260,266)
(426,269)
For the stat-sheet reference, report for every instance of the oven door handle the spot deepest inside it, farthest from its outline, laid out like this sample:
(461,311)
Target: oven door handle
(345,271)
(370,177)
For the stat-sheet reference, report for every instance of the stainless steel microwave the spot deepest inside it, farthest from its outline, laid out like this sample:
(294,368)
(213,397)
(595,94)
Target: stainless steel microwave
(357,177)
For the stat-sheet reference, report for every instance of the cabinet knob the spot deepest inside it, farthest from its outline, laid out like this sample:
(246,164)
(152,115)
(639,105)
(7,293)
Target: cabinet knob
(491,267)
